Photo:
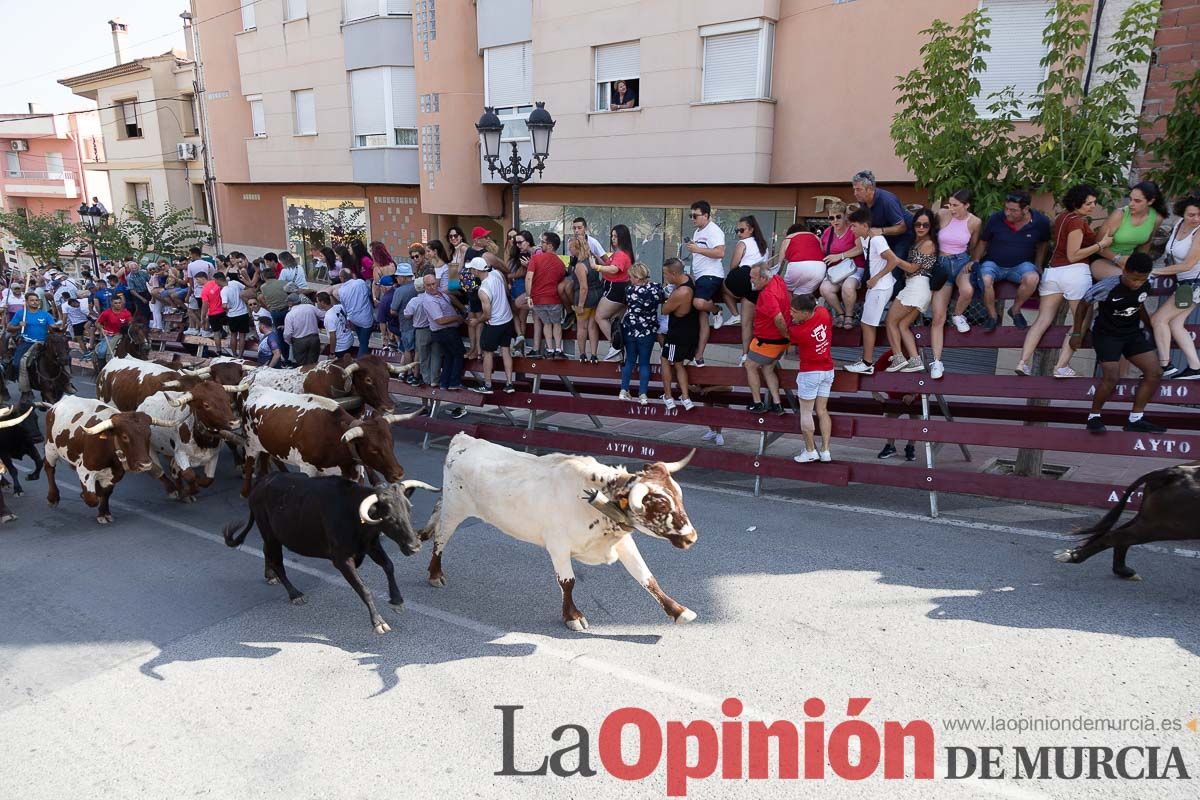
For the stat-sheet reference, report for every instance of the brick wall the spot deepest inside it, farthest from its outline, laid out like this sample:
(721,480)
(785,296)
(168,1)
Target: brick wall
(1176,55)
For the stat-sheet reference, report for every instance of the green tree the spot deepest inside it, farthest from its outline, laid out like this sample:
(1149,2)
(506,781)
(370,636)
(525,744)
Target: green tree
(1177,151)
(42,236)
(142,231)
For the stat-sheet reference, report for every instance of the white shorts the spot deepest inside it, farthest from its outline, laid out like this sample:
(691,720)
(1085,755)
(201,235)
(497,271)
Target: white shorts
(875,303)
(916,292)
(811,385)
(1071,281)
(663,320)
(804,277)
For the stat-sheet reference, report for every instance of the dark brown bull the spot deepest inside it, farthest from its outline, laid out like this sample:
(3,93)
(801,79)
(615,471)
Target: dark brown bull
(1170,510)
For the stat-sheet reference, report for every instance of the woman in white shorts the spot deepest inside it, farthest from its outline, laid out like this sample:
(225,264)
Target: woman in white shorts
(1182,261)
(802,262)
(1068,275)
(880,283)
(914,298)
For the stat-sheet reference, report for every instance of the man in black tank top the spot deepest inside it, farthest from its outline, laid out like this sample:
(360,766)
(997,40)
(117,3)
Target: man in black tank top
(683,332)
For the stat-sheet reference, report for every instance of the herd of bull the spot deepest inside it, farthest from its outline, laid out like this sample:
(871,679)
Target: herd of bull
(350,489)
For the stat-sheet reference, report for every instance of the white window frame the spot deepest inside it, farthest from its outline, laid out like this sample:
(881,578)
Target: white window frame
(55,166)
(298,129)
(126,110)
(765,55)
(133,190)
(12,164)
(515,116)
(204,218)
(604,87)
(1024,112)
(248,20)
(393,135)
(375,8)
(294,10)
(262,114)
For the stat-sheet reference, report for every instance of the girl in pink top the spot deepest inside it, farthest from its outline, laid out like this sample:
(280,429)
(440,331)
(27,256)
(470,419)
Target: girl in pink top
(957,238)
(366,265)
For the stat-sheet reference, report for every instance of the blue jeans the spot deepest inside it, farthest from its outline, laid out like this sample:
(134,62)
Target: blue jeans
(452,356)
(1010,274)
(641,346)
(364,339)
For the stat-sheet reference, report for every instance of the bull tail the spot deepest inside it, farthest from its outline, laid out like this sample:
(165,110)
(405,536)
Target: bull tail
(1108,520)
(235,540)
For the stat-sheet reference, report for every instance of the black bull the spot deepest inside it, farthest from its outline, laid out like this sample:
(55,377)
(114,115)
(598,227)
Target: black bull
(1170,510)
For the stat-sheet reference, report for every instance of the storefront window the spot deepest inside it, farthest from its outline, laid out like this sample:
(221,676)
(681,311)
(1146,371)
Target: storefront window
(316,222)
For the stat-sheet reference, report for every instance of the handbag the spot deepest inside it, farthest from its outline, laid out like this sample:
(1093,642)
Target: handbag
(1185,294)
(840,271)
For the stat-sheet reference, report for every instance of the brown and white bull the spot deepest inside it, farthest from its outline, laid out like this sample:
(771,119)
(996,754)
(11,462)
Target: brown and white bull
(317,436)
(200,420)
(126,382)
(366,378)
(101,443)
(1169,512)
(574,506)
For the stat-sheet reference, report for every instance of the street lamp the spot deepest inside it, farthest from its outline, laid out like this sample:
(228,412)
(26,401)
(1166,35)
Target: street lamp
(515,172)
(92,217)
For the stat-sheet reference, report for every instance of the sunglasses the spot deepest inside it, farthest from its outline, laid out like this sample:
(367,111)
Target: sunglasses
(835,216)
(743,230)
(695,215)
(920,224)
(416,255)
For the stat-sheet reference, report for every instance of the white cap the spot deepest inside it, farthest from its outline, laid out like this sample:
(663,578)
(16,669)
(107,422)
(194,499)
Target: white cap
(478,264)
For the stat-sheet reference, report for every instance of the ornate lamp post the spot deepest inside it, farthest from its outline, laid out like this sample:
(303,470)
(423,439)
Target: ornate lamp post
(516,172)
(92,217)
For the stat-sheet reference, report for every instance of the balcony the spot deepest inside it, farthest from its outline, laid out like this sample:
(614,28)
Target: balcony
(39,183)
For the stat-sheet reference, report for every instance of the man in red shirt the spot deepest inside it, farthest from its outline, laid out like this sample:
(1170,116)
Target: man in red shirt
(545,271)
(812,333)
(111,321)
(770,340)
(212,308)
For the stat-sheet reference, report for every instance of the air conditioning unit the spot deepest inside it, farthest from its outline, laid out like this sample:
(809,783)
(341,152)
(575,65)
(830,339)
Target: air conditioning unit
(19,145)
(185,151)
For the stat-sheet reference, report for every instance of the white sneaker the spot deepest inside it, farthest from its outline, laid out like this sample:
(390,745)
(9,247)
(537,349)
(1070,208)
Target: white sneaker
(861,367)
(668,402)
(687,404)
(612,355)
(896,364)
(1022,369)
(709,436)
(624,395)
(806,457)
(826,456)
(960,322)
(716,321)
(936,370)
(914,364)
(736,319)
(1065,372)
(719,440)
(643,400)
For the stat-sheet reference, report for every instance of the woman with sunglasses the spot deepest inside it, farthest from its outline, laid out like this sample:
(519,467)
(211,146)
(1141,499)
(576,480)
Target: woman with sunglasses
(458,245)
(957,236)
(840,287)
(616,282)
(750,250)
(914,298)
(520,252)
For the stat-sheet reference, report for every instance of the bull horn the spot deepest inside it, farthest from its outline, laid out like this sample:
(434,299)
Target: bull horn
(248,367)
(352,434)
(99,427)
(8,423)
(675,466)
(350,368)
(182,400)
(364,509)
(172,385)
(44,406)
(397,369)
(637,494)
(5,412)
(395,419)
(165,423)
(410,485)
(203,372)
(244,386)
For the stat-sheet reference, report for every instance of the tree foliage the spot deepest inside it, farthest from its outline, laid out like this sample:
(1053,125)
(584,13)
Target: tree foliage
(143,231)
(1177,151)
(42,236)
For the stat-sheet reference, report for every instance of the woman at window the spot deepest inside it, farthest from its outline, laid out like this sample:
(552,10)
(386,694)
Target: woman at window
(751,249)
(914,298)
(622,97)
(384,265)
(1183,261)
(841,280)
(616,282)
(957,235)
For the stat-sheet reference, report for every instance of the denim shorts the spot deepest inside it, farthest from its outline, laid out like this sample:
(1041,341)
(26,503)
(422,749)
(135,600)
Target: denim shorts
(1010,274)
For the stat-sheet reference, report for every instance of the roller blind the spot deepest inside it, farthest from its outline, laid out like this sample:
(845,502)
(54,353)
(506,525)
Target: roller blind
(361,9)
(295,9)
(129,112)
(731,66)
(247,14)
(399,6)
(258,117)
(404,97)
(616,62)
(306,111)
(1017,49)
(368,99)
(509,75)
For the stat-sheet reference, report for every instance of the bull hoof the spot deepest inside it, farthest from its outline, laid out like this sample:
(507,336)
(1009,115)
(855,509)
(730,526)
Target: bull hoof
(191,498)
(437,580)
(7,518)
(382,628)
(398,604)
(18,493)
(296,601)
(103,520)
(1065,557)
(272,581)
(580,624)
(1127,574)
(52,503)
(687,616)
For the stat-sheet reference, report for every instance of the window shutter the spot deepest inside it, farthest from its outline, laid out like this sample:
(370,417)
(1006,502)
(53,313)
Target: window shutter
(296,9)
(399,6)
(731,66)
(129,112)
(1017,49)
(258,118)
(54,165)
(509,75)
(361,9)
(247,14)
(404,97)
(616,62)
(367,99)
(306,111)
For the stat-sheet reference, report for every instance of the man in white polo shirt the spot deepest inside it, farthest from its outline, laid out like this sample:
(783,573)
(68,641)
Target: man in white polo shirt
(707,247)
(194,268)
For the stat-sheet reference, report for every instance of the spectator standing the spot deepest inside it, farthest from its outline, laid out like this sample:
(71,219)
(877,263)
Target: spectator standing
(579,229)
(341,340)
(615,270)
(483,247)
(1012,247)
(366,264)
(957,237)
(429,354)
(406,290)
(388,331)
(1132,228)
(195,266)
(707,247)
(212,308)
(76,319)
(908,405)
(237,313)
(888,216)
(640,328)
(842,279)
(1068,275)
(749,250)
(914,298)
(497,331)
(333,265)
(683,333)
(544,273)
(272,295)
(291,272)
(416,259)
(811,330)
(1118,333)
(881,262)
(772,311)
(354,294)
(301,330)
(443,325)
(520,252)
(1182,259)
(588,287)
(138,282)
(458,245)
(383,265)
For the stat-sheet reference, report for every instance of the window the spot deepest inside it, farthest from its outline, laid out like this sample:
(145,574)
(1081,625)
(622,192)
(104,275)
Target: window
(384,107)
(1017,50)
(248,14)
(139,193)
(199,204)
(508,87)
(617,63)
(258,116)
(363,9)
(191,117)
(127,120)
(54,166)
(305,111)
(12,165)
(294,9)
(737,60)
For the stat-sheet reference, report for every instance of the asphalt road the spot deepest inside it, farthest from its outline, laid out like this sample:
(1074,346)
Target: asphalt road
(147,660)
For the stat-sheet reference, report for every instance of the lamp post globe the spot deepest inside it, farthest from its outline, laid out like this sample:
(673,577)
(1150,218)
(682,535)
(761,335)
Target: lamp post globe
(541,124)
(490,128)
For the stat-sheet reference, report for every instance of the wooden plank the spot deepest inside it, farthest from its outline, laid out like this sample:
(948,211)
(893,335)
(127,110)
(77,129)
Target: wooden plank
(464,397)
(1171,392)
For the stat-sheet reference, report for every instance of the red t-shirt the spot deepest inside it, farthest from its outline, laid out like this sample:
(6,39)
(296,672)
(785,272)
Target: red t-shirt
(112,321)
(804,246)
(813,339)
(1064,223)
(774,299)
(548,271)
(622,262)
(212,293)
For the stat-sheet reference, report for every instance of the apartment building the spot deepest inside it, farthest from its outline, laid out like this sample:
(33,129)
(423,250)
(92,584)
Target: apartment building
(151,122)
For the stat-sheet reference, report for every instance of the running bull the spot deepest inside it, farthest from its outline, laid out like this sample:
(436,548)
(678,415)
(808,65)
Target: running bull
(15,440)
(574,506)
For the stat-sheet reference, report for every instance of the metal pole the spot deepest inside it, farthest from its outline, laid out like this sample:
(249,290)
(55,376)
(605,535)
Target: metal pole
(933,498)
(516,202)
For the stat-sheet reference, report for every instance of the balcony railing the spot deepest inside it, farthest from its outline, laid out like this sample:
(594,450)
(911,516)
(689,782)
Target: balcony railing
(42,175)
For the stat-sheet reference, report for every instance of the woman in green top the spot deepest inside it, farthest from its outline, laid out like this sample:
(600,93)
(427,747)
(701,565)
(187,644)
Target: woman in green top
(1132,228)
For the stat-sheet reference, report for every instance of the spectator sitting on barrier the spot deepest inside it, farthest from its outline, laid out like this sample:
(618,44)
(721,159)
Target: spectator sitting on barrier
(913,299)
(616,280)
(887,216)
(1012,247)
(772,311)
(270,353)
(497,331)
(840,245)
(880,263)
(587,287)
(811,330)
(1132,228)
(1118,332)
(682,334)
(544,273)
(750,249)
(1182,261)
(957,239)
(640,328)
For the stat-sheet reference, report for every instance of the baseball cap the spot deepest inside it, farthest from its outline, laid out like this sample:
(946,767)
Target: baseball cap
(479,265)
(404,270)
(387,280)
(478,232)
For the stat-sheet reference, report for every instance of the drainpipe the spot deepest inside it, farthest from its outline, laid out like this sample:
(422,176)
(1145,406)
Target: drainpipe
(1087,79)
(198,87)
